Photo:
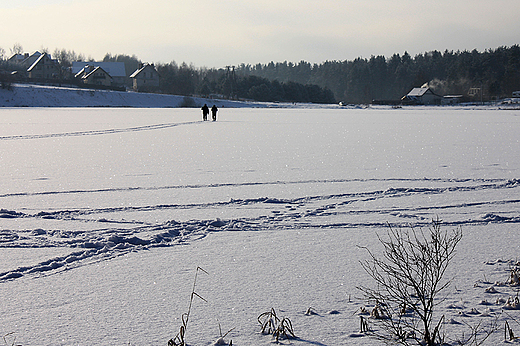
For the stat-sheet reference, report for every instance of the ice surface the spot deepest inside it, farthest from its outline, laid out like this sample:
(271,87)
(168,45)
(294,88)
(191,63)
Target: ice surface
(106,213)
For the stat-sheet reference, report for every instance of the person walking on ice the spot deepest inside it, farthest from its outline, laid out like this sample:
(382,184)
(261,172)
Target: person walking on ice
(214,111)
(205,112)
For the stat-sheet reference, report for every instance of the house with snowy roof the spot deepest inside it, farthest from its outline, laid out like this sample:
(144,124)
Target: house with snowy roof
(18,58)
(423,96)
(43,67)
(94,75)
(116,70)
(145,78)
(25,59)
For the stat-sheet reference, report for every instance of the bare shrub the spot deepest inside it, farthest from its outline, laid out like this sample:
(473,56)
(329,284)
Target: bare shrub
(409,277)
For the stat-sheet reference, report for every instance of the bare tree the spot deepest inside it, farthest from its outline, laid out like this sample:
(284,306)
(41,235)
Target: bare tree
(67,57)
(17,49)
(409,277)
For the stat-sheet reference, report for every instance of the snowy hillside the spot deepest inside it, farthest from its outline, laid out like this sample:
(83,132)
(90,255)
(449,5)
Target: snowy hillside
(41,96)
(24,95)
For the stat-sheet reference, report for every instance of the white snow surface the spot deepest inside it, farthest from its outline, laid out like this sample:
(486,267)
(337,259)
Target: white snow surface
(107,212)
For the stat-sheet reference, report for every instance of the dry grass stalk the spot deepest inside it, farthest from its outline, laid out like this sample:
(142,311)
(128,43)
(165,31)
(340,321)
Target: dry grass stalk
(508,333)
(178,340)
(273,325)
(220,340)
(363,325)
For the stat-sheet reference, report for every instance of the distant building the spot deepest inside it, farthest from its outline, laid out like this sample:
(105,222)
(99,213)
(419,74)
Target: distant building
(422,96)
(116,70)
(452,99)
(94,76)
(25,59)
(43,67)
(473,92)
(145,78)
(18,58)
(35,66)
(30,59)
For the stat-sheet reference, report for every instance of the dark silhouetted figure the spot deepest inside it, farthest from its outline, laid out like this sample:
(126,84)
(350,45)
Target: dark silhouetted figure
(205,112)
(214,111)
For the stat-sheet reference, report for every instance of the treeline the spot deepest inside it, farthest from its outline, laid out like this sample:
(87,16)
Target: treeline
(229,83)
(495,71)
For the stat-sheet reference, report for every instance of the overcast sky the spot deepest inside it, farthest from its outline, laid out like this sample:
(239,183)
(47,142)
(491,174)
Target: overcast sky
(216,33)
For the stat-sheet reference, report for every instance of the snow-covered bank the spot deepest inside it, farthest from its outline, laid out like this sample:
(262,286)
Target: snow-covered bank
(29,95)
(25,95)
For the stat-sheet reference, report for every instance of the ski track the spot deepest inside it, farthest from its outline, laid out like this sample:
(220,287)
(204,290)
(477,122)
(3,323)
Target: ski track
(117,237)
(96,132)
(491,182)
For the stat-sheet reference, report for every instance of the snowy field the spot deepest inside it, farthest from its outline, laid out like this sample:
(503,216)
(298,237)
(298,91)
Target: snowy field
(106,214)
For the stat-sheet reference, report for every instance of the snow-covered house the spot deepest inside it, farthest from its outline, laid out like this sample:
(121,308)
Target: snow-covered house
(18,58)
(30,59)
(25,59)
(43,67)
(145,77)
(116,70)
(94,75)
(423,96)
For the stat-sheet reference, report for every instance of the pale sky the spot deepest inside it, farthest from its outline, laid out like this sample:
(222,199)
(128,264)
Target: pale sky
(216,33)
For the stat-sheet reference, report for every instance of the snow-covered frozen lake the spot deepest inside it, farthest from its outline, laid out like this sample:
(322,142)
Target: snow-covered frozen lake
(106,213)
